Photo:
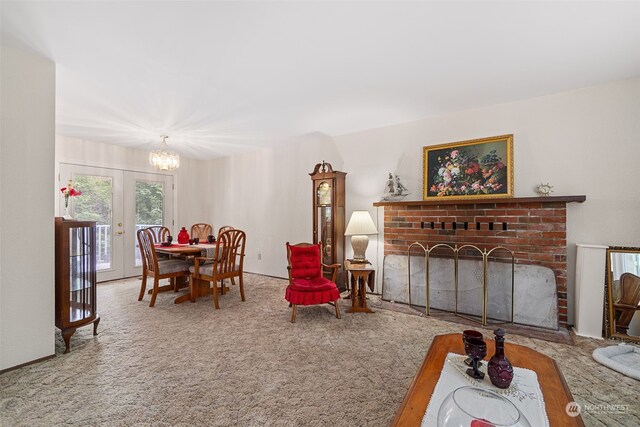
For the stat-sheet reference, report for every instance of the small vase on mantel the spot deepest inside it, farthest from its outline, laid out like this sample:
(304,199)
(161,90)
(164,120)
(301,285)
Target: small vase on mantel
(499,368)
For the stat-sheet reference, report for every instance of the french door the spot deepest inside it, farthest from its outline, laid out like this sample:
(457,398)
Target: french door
(121,202)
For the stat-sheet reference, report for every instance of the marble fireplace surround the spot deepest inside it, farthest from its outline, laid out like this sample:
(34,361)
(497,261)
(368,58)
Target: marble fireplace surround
(534,228)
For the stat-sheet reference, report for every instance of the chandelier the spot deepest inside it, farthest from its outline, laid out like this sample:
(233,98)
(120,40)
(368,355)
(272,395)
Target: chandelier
(162,159)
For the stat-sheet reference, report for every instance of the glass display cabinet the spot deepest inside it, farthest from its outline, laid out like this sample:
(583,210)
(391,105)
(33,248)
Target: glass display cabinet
(329,216)
(75,277)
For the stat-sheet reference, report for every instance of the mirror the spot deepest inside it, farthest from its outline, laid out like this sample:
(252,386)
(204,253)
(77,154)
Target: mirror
(623,293)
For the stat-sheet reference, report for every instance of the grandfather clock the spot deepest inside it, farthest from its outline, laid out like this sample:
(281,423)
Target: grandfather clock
(329,215)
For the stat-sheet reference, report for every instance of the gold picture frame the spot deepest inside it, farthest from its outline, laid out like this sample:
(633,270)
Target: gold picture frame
(473,169)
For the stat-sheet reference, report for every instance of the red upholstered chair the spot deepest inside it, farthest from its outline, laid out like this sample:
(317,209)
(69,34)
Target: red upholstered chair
(307,286)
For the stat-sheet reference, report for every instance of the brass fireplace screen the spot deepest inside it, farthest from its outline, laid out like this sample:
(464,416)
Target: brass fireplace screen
(457,251)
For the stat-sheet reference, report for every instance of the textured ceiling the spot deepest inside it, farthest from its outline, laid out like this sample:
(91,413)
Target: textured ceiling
(224,77)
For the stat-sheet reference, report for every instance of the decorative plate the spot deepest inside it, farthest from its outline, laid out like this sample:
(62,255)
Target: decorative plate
(544,189)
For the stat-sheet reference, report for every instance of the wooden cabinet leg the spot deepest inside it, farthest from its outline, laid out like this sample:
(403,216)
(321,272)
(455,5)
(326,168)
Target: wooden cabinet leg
(66,336)
(95,325)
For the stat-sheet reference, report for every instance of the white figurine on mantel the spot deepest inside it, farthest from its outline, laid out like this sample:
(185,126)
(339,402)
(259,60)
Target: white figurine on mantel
(544,189)
(394,190)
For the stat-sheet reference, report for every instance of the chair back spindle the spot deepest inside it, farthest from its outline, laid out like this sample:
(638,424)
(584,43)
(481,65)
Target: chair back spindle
(159,233)
(223,229)
(147,250)
(201,231)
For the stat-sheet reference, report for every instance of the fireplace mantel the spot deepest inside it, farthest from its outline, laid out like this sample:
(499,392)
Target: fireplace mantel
(486,201)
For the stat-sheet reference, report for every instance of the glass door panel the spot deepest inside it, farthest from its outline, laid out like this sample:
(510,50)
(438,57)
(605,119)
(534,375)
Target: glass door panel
(80,271)
(149,203)
(96,204)
(324,201)
(149,209)
(101,201)
(326,232)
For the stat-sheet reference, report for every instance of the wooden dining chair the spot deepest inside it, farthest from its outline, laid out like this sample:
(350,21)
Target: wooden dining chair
(233,281)
(152,267)
(159,233)
(224,228)
(201,231)
(227,263)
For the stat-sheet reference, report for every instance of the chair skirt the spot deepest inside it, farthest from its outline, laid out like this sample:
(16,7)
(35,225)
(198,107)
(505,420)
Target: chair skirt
(311,297)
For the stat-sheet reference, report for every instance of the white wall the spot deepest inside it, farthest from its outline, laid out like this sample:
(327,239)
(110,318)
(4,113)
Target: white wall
(267,193)
(582,142)
(26,206)
(189,179)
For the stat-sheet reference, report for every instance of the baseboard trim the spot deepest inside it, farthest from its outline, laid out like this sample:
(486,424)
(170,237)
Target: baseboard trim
(22,365)
(267,275)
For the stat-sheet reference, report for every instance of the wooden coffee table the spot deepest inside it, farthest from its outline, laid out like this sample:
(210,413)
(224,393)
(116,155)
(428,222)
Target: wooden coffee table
(554,388)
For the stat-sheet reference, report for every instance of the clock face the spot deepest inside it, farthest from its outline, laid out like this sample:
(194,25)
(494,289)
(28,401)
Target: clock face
(324,193)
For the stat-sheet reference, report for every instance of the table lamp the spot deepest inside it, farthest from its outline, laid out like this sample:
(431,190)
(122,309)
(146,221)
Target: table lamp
(360,224)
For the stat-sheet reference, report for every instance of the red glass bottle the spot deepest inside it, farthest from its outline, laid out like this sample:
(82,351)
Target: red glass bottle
(183,236)
(499,368)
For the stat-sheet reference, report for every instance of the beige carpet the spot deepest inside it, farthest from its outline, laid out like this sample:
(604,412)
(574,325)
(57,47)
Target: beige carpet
(247,365)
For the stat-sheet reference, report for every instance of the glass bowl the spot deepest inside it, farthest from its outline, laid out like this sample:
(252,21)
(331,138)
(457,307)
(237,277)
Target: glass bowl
(476,407)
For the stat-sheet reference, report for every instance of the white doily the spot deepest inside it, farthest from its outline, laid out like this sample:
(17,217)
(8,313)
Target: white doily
(524,391)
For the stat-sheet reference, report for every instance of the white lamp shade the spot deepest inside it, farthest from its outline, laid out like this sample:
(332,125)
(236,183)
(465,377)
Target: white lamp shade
(360,224)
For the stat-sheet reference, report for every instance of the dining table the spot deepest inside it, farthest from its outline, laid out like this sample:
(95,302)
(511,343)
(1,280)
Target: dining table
(207,250)
(177,249)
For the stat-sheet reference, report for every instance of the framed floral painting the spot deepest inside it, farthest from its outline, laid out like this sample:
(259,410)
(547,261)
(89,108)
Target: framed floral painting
(479,168)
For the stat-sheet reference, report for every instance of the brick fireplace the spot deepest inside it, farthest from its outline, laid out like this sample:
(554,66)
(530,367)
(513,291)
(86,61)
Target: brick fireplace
(534,228)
